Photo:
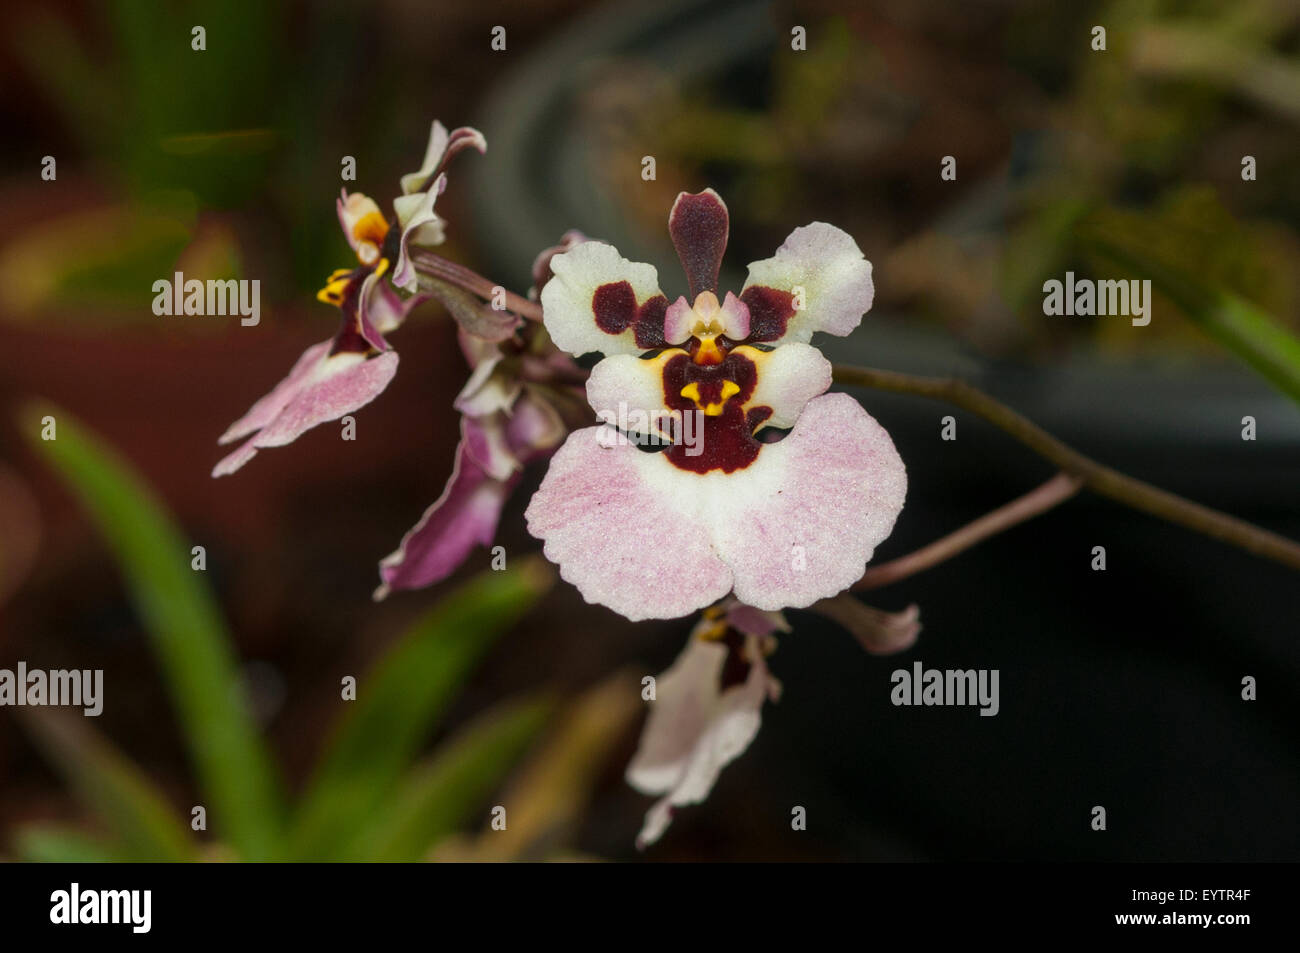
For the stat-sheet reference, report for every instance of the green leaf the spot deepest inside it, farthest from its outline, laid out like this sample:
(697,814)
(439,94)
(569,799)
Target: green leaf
(400,700)
(1238,325)
(186,629)
(110,785)
(549,793)
(440,795)
(51,844)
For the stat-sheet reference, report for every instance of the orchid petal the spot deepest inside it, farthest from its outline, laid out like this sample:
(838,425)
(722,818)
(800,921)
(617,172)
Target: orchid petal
(599,301)
(795,526)
(322,386)
(698,225)
(697,726)
(817,281)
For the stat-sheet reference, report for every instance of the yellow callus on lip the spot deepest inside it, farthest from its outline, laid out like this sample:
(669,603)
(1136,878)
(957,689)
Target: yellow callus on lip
(713,625)
(335,285)
(692,393)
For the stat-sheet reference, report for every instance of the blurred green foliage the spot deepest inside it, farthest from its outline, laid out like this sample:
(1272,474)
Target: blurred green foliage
(179,131)
(164,115)
(372,796)
(230,153)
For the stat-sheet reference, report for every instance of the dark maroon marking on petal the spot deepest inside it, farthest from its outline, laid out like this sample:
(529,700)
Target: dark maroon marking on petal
(350,340)
(727,442)
(614,305)
(357,335)
(650,323)
(735,670)
(756,415)
(770,310)
(681,371)
(698,225)
(392,242)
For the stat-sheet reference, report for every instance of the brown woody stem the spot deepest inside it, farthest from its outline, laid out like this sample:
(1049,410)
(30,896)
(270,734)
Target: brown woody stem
(1056,490)
(1090,474)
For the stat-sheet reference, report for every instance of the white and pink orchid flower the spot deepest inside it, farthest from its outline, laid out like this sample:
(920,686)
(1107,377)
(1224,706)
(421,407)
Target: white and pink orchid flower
(778,522)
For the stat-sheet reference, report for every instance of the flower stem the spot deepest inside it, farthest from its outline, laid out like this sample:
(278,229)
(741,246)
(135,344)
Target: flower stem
(473,282)
(1091,474)
(1056,490)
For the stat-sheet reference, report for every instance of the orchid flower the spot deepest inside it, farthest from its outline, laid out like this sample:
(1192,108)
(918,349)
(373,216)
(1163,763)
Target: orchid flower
(707,710)
(707,707)
(420,225)
(790,490)
(339,376)
(779,503)
(330,379)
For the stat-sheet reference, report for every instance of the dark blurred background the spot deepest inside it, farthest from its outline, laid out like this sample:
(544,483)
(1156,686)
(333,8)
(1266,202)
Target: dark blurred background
(1118,688)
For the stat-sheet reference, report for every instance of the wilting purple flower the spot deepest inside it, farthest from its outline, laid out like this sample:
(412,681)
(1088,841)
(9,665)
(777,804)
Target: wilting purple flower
(505,424)
(707,710)
(779,522)
(507,421)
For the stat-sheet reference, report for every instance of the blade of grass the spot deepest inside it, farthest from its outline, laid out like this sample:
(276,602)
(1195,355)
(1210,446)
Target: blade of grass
(442,793)
(108,783)
(1241,327)
(400,700)
(52,844)
(185,626)
(547,796)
